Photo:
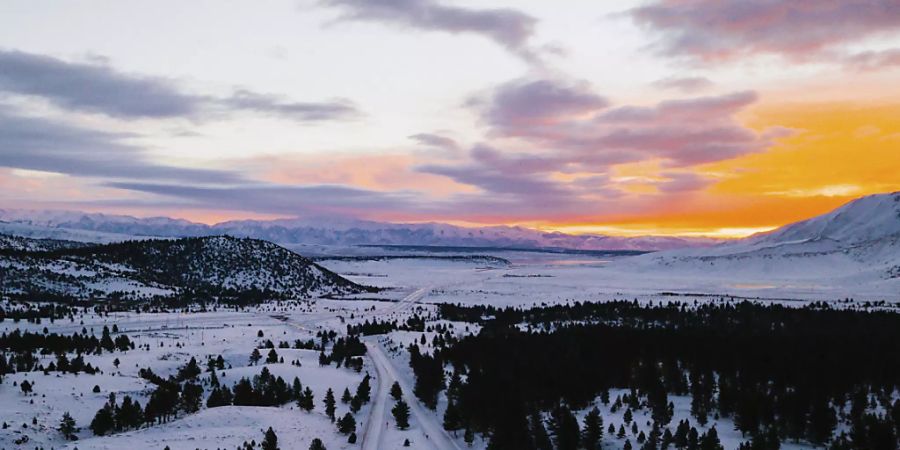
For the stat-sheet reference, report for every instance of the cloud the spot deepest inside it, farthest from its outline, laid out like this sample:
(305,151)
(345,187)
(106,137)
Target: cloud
(508,27)
(715,30)
(683,182)
(528,103)
(243,99)
(873,60)
(92,88)
(284,199)
(582,129)
(98,88)
(561,140)
(436,141)
(684,84)
(39,144)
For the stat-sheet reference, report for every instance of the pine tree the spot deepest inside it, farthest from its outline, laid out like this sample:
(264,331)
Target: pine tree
(710,440)
(306,403)
(329,404)
(452,418)
(564,428)
(539,436)
(592,431)
(401,414)
(469,436)
(396,391)
(346,397)
(26,387)
(103,421)
(317,444)
(67,426)
(272,357)
(255,357)
(363,391)
(270,442)
(347,424)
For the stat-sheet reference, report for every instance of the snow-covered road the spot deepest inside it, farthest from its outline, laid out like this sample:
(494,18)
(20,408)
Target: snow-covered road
(437,438)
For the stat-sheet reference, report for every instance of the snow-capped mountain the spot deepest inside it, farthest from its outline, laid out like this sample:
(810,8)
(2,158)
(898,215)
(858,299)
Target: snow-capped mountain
(207,267)
(860,238)
(325,231)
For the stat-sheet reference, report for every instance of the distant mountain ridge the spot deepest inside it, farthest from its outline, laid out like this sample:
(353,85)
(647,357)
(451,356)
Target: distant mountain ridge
(211,267)
(330,231)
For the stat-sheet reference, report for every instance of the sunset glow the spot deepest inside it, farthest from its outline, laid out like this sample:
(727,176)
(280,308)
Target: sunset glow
(620,118)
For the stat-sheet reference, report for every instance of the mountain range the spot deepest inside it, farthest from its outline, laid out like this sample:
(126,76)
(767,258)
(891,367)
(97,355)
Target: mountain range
(96,227)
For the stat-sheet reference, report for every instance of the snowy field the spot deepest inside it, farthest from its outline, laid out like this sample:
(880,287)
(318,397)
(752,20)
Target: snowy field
(167,341)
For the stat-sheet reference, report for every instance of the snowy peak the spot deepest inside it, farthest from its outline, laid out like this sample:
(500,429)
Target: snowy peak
(865,219)
(323,231)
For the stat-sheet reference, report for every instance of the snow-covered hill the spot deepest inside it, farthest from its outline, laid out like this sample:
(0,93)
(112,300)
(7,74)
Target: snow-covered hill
(210,267)
(332,231)
(858,241)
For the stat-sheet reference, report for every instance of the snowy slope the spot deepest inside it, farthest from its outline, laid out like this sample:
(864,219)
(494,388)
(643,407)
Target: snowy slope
(858,241)
(214,266)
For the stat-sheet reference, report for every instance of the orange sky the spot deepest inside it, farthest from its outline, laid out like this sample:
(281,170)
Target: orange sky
(840,151)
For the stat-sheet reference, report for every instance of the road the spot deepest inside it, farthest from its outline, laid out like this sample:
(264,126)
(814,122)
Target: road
(379,417)
(437,437)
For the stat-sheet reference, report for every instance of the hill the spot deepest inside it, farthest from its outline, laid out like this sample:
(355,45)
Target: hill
(858,241)
(209,267)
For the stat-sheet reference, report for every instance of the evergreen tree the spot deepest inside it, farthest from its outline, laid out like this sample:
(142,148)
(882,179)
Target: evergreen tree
(272,357)
(26,387)
(329,404)
(67,426)
(452,418)
(469,436)
(539,436)
(592,431)
(103,421)
(396,391)
(270,441)
(363,391)
(346,397)
(255,356)
(564,428)
(710,440)
(317,444)
(306,402)
(347,424)
(401,414)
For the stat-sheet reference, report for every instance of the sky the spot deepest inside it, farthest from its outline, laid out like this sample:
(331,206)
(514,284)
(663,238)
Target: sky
(667,117)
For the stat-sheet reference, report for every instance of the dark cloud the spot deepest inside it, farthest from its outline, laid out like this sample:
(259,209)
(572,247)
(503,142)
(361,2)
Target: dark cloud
(278,106)
(712,30)
(508,27)
(284,199)
(92,88)
(45,145)
(873,60)
(97,88)
(435,140)
(684,84)
(539,103)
